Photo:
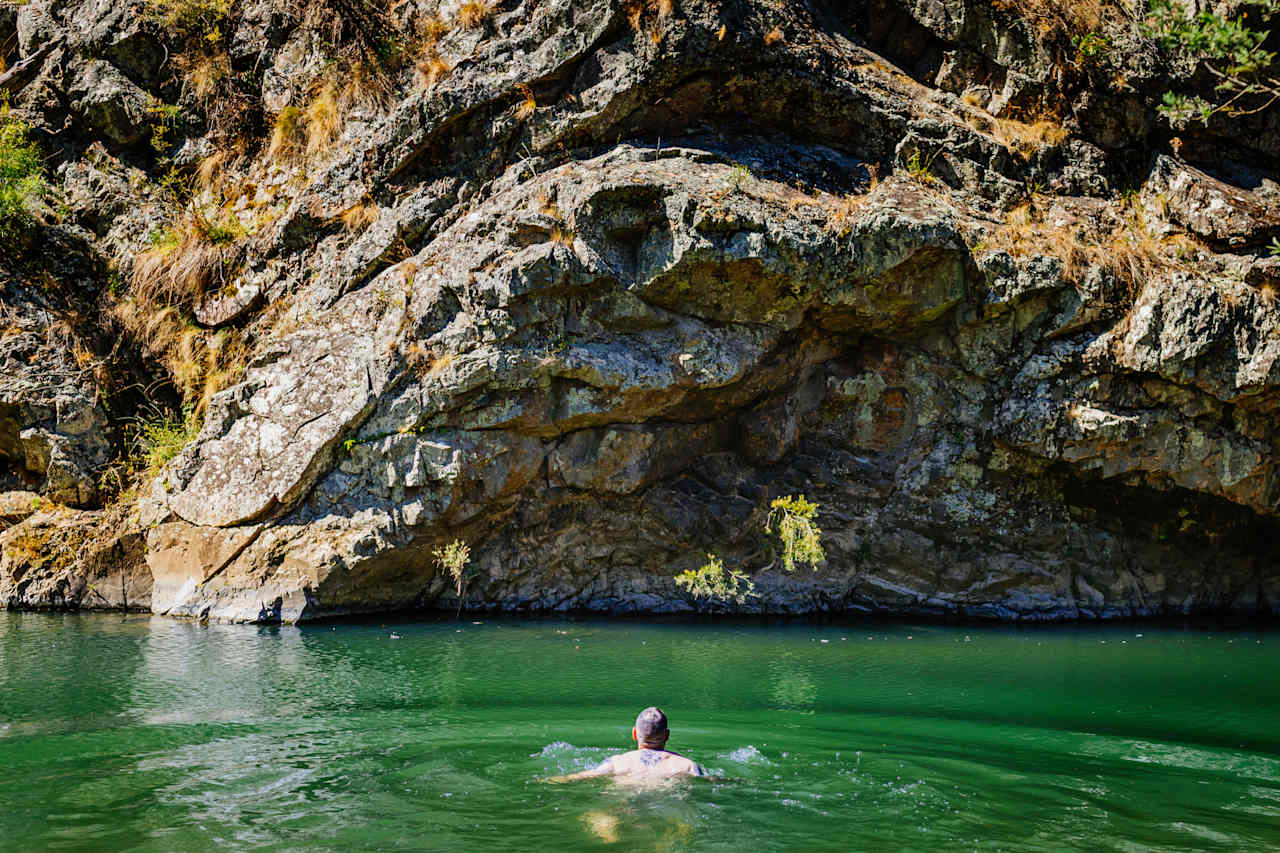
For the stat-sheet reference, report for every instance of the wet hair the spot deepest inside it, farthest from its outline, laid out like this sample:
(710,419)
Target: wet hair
(651,726)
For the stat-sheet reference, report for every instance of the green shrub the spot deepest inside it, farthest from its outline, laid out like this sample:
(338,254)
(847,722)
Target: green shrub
(714,581)
(1228,49)
(453,558)
(792,519)
(22,180)
(801,538)
(163,438)
(188,18)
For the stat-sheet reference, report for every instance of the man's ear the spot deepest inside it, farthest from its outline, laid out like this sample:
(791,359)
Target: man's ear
(634,736)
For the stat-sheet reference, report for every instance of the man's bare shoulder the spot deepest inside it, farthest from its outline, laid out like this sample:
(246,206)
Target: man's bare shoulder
(655,762)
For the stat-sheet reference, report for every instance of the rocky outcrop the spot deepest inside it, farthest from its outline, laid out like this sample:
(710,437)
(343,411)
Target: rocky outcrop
(631,271)
(55,436)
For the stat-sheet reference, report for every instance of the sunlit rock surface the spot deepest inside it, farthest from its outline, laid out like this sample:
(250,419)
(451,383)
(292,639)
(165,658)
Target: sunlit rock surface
(710,267)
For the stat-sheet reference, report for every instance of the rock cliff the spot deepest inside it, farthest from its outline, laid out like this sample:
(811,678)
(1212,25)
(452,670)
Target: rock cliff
(587,284)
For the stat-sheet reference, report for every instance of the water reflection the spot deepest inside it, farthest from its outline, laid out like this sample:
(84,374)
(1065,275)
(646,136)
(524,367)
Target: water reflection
(40,695)
(792,687)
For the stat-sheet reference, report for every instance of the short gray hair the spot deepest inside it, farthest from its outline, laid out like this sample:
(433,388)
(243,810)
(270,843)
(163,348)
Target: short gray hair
(651,725)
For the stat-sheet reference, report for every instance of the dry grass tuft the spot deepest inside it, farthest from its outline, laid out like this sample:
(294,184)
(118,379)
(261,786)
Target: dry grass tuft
(432,30)
(323,119)
(207,74)
(440,363)
(212,170)
(1061,18)
(366,86)
(424,363)
(473,14)
(360,216)
(201,361)
(1027,139)
(842,210)
(1023,138)
(547,204)
(185,262)
(431,69)
(563,235)
(1122,244)
(288,135)
(639,12)
(528,106)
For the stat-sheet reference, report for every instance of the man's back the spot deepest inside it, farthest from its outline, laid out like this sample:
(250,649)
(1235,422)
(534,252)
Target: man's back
(651,762)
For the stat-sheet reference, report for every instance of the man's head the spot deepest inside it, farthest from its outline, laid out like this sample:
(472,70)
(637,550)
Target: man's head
(651,728)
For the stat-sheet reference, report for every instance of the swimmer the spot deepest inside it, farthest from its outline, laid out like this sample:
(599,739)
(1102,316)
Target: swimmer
(651,760)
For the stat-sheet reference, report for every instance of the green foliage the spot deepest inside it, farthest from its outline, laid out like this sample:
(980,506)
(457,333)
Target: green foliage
(1274,248)
(740,176)
(792,517)
(187,19)
(1229,49)
(224,232)
(921,168)
(714,581)
(167,118)
(453,558)
(22,180)
(161,439)
(1091,46)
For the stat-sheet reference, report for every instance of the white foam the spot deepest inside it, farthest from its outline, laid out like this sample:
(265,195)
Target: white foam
(561,747)
(747,755)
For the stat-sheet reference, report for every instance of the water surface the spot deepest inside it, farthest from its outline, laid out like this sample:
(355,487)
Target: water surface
(141,733)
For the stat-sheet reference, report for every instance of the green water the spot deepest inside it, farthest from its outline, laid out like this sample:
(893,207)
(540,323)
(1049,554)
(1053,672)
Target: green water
(142,733)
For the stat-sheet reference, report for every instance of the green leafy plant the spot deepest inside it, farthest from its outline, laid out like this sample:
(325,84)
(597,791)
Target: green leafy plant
(1274,247)
(22,177)
(713,580)
(1091,46)
(739,176)
(1228,49)
(453,558)
(162,438)
(188,18)
(921,168)
(166,118)
(792,518)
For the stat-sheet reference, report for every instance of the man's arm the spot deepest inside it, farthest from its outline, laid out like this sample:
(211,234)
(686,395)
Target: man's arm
(604,768)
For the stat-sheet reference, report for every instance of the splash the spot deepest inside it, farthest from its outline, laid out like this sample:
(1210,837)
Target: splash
(747,755)
(561,748)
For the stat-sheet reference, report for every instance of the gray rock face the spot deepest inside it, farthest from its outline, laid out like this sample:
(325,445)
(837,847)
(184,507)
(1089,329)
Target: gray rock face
(1225,215)
(55,438)
(609,391)
(109,103)
(629,274)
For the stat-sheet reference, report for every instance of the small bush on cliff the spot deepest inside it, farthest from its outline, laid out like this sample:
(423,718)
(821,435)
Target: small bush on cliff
(714,581)
(801,539)
(1229,50)
(160,439)
(792,518)
(22,181)
(188,18)
(453,558)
